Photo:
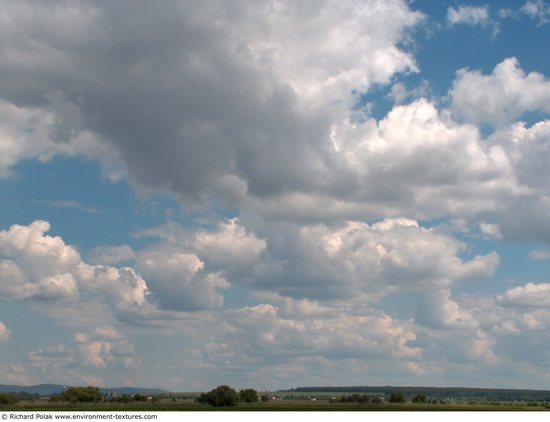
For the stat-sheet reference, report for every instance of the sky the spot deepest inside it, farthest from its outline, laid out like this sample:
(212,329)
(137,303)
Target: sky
(274,194)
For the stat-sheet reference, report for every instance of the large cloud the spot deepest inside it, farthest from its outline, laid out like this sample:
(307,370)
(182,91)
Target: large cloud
(256,105)
(167,98)
(257,339)
(416,162)
(521,215)
(365,262)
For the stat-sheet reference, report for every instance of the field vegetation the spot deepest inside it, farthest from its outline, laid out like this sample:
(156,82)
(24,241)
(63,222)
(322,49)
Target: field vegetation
(226,398)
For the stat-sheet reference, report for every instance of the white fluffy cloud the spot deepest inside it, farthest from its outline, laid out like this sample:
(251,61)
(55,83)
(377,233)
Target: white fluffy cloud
(364,261)
(105,350)
(255,104)
(179,282)
(187,268)
(104,347)
(230,248)
(416,162)
(501,97)
(37,266)
(259,335)
(297,156)
(529,295)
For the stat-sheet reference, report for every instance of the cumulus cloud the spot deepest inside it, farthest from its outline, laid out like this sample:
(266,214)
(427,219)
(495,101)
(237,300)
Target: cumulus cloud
(187,268)
(521,215)
(416,162)
(365,262)
(37,266)
(221,63)
(261,334)
(297,156)
(255,105)
(437,310)
(501,97)
(230,248)
(179,282)
(530,295)
(104,347)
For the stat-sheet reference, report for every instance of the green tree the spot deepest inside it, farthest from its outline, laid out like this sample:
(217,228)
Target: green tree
(420,398)
(397,397)
(8,398)
(248,395)
(220,396)
(139,397)
(80,395)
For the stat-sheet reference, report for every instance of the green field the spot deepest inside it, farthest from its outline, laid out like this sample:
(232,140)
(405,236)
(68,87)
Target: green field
(275,405)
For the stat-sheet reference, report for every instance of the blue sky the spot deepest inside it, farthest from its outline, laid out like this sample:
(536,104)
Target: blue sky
(273,195)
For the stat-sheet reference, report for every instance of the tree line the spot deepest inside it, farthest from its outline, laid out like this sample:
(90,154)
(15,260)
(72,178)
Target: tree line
(12,398)
(224,395)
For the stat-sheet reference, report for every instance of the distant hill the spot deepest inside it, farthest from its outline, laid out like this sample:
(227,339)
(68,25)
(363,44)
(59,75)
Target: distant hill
(439,393)
(49,389)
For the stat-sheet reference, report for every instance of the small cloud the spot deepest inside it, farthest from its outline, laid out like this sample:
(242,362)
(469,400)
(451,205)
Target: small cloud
(540,255)
(506,13)
(473,16)
(67,203)
(111,255)
(5,333)
(400,94)
(468,15)
(490,231)
(537,10)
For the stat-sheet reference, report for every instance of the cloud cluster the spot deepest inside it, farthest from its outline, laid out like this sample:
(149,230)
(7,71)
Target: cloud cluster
(165,107)
(364,262)
(260,107)
(41,267)
(103,349)
(162,110)
(37,266)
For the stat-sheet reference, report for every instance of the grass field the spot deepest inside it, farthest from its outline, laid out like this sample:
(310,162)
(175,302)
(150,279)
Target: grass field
(277,405)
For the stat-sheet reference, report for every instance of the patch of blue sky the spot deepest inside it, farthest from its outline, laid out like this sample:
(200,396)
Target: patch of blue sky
(22,320)
(85,209)
(451,48)
(70,194)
